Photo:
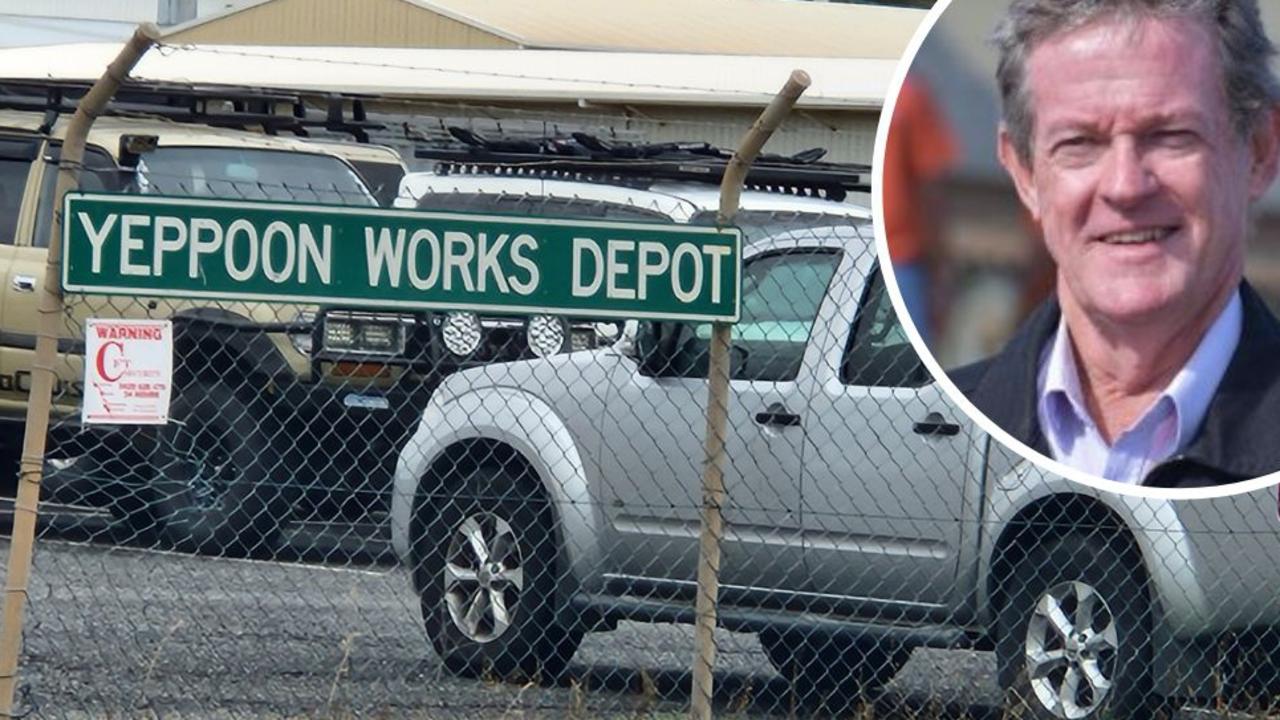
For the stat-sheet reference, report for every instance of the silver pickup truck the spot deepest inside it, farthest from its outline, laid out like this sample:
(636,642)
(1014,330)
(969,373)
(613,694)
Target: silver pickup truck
(866,516)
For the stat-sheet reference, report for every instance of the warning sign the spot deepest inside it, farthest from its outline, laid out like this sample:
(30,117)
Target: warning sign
(128,367)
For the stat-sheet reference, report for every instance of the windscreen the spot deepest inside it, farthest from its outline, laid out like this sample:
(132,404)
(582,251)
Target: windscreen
(757,224)
(240,174)
(230,173)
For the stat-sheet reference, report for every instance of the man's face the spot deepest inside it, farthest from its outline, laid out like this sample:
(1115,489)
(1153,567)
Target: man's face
(1138,177)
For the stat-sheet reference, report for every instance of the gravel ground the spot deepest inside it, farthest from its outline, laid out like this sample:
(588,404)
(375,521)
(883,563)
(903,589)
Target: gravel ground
(121,632)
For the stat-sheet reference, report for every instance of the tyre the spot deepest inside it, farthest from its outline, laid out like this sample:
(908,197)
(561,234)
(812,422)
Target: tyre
(1074,633)
(832,670)
(220,480)
(486,559)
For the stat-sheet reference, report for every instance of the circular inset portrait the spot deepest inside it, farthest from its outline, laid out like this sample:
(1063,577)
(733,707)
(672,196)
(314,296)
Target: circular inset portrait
(1078,203)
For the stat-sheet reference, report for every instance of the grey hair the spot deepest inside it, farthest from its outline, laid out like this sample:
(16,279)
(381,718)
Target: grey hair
(1245,49)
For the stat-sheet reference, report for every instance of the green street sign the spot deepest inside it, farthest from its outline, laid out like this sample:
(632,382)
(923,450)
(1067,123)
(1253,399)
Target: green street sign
(321,254)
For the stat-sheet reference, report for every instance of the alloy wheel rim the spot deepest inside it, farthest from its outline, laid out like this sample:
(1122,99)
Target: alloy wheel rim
(483,577)
(1071,650)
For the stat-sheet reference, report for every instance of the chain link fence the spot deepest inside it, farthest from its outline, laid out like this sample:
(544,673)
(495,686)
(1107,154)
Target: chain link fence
(393,513)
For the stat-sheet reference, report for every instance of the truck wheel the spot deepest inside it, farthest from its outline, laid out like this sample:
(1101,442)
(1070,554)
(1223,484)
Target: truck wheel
(831,669)
(486,560)
(1074,633)
(213,465)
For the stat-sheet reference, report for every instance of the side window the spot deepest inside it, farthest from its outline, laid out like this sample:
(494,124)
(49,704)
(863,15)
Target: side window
(781,295)
(16,156)
(99,175)
(879,353)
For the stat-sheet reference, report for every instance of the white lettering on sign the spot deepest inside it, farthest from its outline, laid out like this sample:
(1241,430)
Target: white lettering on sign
(581,289)
(242,229)
(459,249)
(129,243)
(386,256)
(200,247)
(489,263)
(458,262)
(282,252)
(615,267)
(653,262)
(718,253)
(276,230)
(682,293)
(128,372)
(166,225)
(649,268)
(97,236)
(228,249)
(415,251)
(317,257)
(525,243)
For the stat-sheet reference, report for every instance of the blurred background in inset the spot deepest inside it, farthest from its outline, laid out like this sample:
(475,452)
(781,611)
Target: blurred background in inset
(973,259)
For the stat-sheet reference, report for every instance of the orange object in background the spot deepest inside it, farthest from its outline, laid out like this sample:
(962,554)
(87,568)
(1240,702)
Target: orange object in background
(918,152)
(361,370)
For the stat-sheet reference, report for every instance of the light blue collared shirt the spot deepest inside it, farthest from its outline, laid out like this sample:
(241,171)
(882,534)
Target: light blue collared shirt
(1163,429)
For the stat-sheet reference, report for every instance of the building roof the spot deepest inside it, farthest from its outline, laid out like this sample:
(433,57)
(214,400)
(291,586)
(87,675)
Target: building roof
(26,30)
(749,27)
(478,75)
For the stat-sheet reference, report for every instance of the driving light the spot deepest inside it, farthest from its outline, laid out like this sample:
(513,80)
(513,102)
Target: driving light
(546,334)
(461,331)
(365,334)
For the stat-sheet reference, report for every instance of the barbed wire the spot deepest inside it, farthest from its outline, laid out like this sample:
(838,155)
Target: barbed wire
(764,96)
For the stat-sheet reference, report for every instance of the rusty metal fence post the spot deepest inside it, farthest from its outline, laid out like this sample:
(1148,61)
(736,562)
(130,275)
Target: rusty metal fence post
(37,422)
(713,493)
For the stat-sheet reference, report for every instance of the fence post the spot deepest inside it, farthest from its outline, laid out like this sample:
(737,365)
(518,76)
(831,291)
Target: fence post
(712,532)
(37,425)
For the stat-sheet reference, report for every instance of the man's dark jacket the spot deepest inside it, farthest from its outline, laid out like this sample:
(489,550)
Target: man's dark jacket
(1238,439)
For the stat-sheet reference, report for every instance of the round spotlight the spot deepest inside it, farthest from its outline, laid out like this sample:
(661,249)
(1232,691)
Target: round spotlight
(546,334)
(461,331)
(607,332)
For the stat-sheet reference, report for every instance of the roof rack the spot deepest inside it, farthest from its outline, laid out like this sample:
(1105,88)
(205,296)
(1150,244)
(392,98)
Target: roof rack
(588,158)
(223,106)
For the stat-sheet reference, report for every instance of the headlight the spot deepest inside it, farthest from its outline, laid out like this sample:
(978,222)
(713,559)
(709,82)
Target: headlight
(366,334)
(302,341)
(461,332)
(546,334)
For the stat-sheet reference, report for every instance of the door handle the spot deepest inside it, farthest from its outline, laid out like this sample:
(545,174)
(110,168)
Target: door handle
(778,414)
(935,424)
(24,283)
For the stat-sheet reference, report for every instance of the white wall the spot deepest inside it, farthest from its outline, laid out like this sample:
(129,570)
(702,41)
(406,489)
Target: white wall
(55,22)
(133,11)
(130,11)
(23,31)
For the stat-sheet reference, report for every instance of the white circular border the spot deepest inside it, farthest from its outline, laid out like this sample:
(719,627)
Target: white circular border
(940,376)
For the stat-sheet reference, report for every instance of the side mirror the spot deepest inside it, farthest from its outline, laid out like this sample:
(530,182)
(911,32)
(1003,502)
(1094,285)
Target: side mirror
(663,350)
(132,147)
(645,348)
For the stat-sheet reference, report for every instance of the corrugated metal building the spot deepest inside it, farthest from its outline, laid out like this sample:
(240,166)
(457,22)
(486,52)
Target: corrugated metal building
(654,96)
(810,34)
(726,27)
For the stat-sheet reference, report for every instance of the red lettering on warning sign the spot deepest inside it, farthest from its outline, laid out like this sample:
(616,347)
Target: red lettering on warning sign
(127,332)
